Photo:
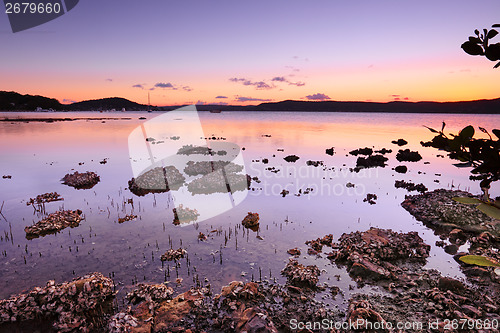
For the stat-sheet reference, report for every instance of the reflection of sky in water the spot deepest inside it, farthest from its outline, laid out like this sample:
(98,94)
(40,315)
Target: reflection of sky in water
(38,155)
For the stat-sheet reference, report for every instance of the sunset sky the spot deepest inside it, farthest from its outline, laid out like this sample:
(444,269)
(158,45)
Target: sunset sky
(247,52)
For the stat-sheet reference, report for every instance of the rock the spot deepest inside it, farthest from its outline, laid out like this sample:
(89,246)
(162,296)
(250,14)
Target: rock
(251,220)
(446,283)
(299,275)
(157,180)
(362,312)
(401,169)
(408,155)
(400,142)
(44,198)
(361,151)
(410,186)
(437,209)
(129,217)
(284,193)
(383,151)
(184,215)
(330,151)
(370,198)
(366,269)
(54,223)
(350,185)
(85,180)
(67,306)
(451,249)
(291,158)
(371,161)
(173,254)
(253,320)
(294,252)
(202,236)
(170,314)
(314,163)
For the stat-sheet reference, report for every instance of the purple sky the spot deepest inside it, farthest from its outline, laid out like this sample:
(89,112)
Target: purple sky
(344,50)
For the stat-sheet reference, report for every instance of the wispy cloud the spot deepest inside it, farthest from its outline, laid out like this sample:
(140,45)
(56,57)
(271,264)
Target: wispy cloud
(263,85)
(318,97)
(251,99)
(109,80)
(220,96)
(68,101)
(164,85)
(138,86)
(260,85)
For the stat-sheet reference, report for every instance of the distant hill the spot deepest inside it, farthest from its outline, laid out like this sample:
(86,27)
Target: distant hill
(10,101)
(491,106)
(116,103)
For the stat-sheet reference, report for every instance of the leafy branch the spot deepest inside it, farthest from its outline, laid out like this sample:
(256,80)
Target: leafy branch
(479,45)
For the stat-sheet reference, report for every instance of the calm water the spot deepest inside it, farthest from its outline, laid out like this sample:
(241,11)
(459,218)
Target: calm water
(37,155)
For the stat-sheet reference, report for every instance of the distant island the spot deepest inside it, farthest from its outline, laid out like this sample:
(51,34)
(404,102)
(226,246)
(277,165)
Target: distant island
(13,101)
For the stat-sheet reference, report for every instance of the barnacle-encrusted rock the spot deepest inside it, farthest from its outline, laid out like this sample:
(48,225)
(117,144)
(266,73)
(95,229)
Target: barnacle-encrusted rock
(251,220)
(410,186)
(300,275)
(54,222)
(157,180)
(44,198)
(173,254)
(437,209)
(372,253)
(129,217)
(84,180)
(400,142)
(150,292)
(73,306)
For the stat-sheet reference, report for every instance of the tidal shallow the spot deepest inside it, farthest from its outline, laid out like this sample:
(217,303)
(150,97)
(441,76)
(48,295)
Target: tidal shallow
(38,154)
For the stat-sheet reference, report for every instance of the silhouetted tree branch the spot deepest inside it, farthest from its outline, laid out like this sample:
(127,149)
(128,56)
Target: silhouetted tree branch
(479,45)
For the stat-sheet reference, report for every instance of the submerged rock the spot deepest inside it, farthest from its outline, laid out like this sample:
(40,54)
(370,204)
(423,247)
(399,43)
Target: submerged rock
(53,223)
(129,217)
(157,180)
(85,180)
(184,215)
(370,198)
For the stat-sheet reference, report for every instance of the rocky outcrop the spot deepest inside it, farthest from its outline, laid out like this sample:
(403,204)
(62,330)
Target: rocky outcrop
(54,223)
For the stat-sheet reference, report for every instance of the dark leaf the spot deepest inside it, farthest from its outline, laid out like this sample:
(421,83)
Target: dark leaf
(493,52)
(492,33)
(467,132)
(497,65)
(431,129)
(483,130)
(474,40)
(477,31)
(496,132)
(495,26)
(442,127)
(472,48)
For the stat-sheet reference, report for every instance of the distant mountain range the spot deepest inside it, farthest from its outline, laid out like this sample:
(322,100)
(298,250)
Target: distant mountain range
(12,101)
